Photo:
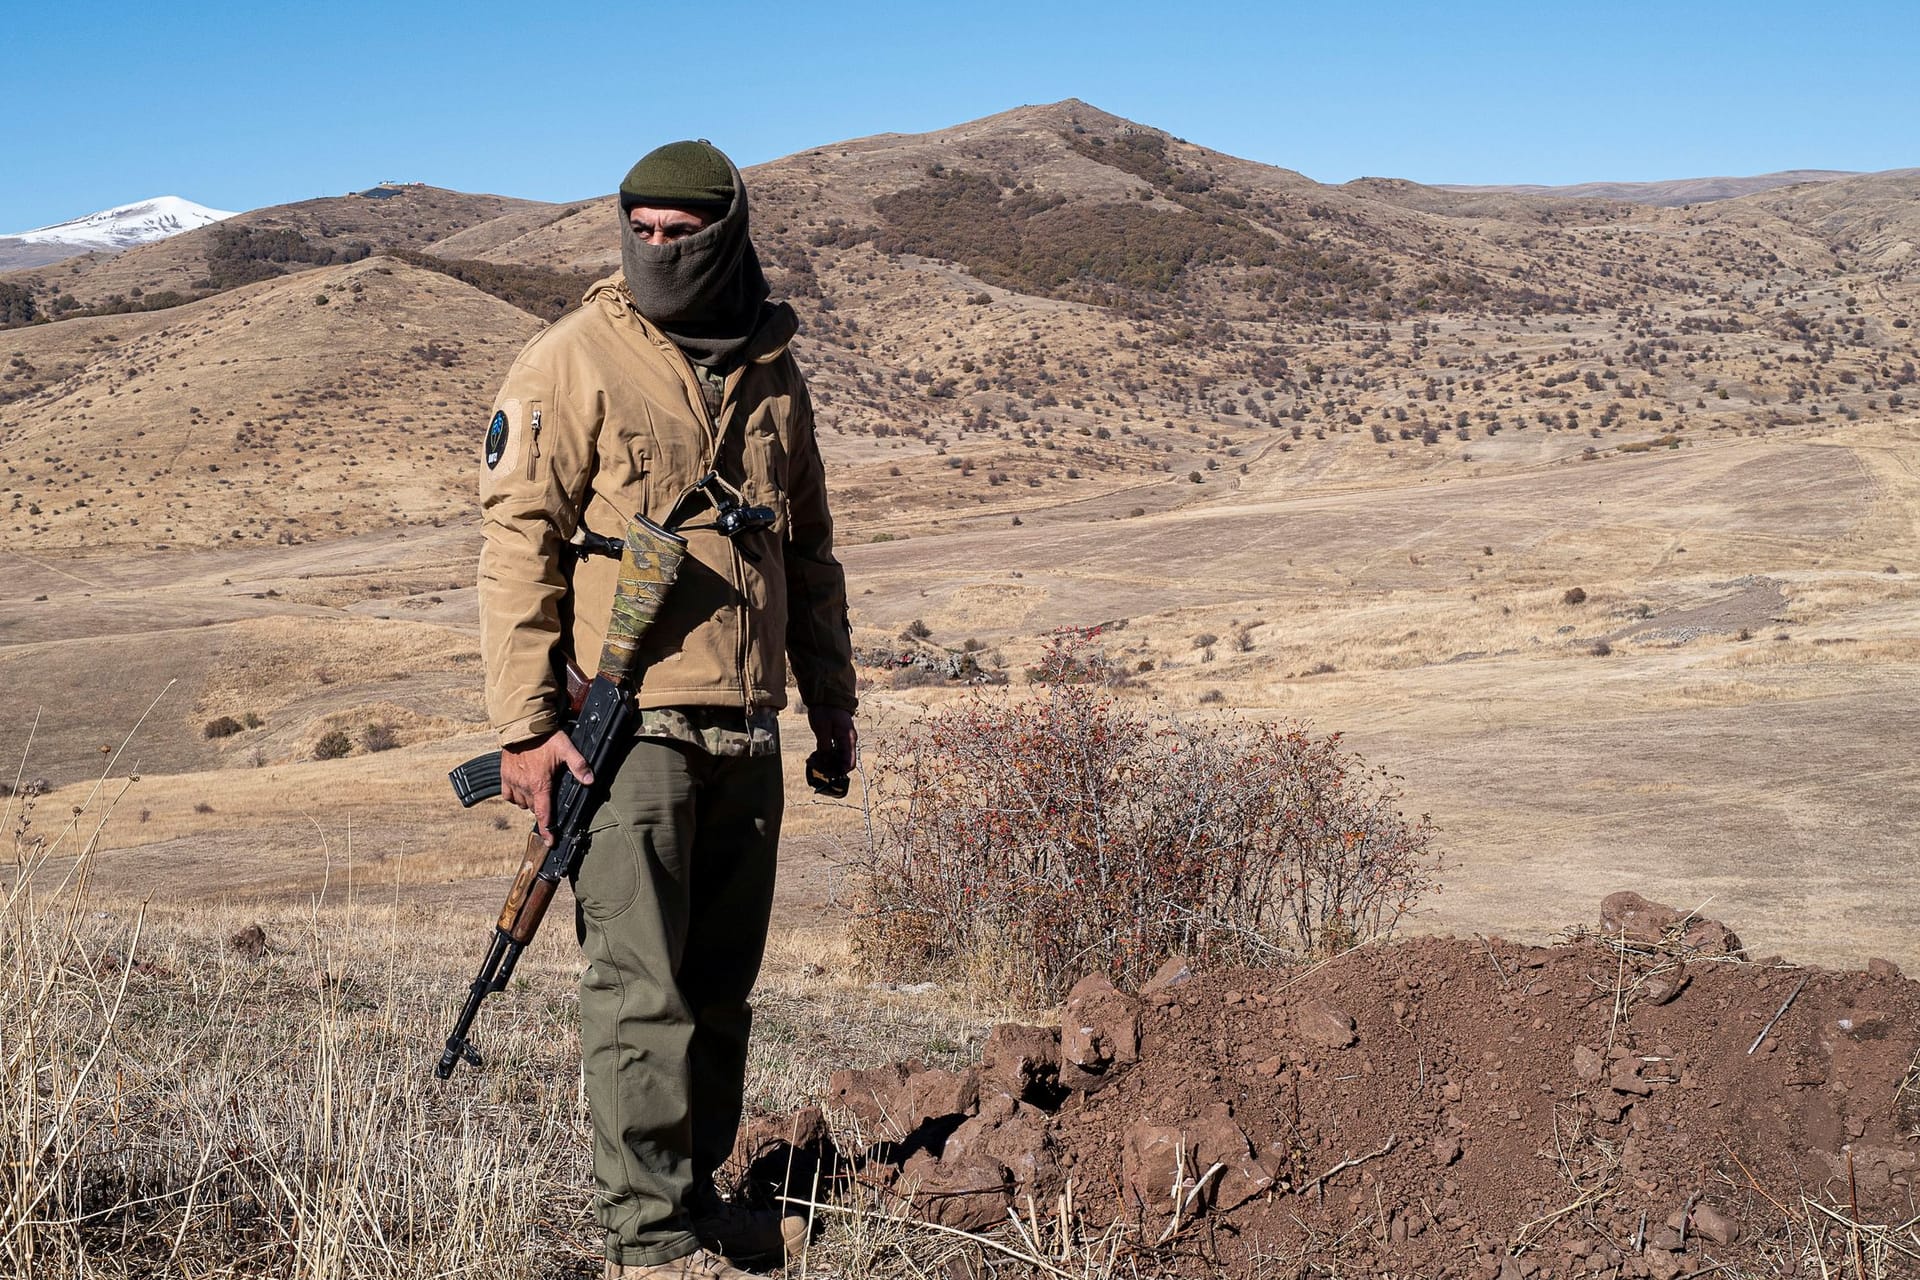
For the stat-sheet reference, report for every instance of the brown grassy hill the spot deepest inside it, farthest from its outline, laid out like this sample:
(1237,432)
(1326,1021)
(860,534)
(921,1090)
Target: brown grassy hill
(1671,193)
(1055,305)
(346,399)
(16,254)
(583,237)
(1872,221)
(1507,204)
(477,240)
(1055,300)
(213,257)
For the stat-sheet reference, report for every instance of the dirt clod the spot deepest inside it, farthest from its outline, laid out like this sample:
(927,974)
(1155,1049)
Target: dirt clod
(1628,916)
(1324,1025)
(1715,1225)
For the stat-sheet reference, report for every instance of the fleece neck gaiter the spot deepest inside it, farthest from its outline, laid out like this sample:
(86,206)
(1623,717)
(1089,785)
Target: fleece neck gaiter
(704,291)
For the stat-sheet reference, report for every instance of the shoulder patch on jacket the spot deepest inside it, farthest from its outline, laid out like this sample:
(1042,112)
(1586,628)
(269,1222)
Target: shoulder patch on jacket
(496,438)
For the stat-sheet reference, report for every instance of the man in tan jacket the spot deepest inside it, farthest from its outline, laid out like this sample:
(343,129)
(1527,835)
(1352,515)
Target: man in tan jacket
(674,370)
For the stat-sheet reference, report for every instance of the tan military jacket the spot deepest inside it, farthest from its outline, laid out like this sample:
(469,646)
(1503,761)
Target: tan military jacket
(601,417)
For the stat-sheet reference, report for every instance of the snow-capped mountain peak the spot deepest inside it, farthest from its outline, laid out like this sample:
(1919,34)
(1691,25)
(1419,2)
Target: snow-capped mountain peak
(127,225)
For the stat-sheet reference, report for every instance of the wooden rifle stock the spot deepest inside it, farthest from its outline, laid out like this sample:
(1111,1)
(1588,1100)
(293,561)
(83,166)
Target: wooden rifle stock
(526,905)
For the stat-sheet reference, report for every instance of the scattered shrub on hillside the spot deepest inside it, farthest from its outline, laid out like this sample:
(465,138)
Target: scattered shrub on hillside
(916,630)
(333,744)
(1071,657)
(66,306)
(1574,595)
(379,737)
(201,806)
(238,255)
(1022,843)
(544,293)
(1042,244)
(16,306)
(222,727)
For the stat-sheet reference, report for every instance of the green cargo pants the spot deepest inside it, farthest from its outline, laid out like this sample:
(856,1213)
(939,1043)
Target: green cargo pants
(672,900)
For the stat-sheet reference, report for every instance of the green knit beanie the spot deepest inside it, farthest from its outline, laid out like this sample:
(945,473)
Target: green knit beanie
(680,174)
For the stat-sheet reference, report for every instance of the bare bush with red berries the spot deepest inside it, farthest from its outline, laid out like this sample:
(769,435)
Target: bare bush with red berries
(1020,843)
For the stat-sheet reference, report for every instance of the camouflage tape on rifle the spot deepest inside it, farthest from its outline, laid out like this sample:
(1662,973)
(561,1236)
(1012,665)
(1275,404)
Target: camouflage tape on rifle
(648,567)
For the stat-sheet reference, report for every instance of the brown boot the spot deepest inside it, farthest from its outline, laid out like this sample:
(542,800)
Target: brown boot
(747,1235)
(698,1265)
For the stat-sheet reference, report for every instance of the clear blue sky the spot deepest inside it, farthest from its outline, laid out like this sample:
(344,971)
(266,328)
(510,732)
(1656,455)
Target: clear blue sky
(242,105)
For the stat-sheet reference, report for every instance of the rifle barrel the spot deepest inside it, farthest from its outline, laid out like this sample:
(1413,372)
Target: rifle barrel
(494,971)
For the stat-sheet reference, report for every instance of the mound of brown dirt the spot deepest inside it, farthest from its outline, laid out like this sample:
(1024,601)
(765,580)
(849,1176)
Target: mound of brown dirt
(1427,1108)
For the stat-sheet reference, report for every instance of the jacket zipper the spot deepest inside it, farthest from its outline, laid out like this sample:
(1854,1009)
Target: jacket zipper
(740,588)
(727,408)
(739,572)
(533,450)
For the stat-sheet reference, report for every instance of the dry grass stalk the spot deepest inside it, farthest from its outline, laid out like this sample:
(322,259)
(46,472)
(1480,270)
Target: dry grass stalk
(1592,1180)
(1321,1180)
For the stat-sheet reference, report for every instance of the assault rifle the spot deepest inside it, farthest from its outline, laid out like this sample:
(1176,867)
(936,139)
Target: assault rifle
(602,724)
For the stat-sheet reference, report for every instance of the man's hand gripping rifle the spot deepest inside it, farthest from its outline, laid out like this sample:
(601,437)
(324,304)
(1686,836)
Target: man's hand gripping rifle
(603,723)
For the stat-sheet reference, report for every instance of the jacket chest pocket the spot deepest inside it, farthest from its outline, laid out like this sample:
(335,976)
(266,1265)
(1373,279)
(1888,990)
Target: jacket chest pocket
(766,466)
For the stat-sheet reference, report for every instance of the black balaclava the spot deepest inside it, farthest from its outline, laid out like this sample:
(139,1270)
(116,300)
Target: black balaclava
(703,291)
